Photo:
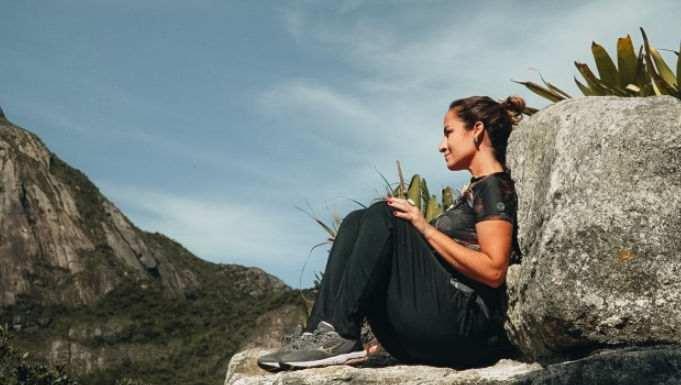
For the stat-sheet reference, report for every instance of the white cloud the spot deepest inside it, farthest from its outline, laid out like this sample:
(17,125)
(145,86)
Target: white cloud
(316,100)
(215,228)
(277,238)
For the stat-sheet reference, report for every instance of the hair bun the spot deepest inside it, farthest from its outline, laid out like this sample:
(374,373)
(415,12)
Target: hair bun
(514,106)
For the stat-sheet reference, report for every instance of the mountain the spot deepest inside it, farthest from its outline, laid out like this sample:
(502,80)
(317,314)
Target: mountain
(81,286)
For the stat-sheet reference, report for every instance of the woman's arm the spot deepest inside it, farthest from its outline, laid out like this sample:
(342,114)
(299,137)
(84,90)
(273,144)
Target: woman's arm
(488,265)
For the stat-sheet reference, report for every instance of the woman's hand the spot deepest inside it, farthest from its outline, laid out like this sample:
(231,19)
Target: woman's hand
(410,213)
(489,265)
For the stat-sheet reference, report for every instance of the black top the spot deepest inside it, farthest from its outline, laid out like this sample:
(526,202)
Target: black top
(491,197)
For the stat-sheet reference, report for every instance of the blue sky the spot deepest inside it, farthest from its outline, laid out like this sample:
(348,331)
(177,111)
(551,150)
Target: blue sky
(210,121)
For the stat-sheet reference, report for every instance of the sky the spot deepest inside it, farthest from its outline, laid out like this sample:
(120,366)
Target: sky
(215,122)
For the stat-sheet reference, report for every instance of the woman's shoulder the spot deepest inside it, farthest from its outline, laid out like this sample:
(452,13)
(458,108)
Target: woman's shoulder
(494,197)
(499,181)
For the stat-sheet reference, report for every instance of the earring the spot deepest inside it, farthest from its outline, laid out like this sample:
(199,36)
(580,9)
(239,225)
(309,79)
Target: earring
(475,139)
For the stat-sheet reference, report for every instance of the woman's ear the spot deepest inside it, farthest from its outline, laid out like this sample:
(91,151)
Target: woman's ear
(478,129)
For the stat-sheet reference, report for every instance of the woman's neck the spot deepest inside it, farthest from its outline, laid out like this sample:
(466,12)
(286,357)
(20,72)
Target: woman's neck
(485,165)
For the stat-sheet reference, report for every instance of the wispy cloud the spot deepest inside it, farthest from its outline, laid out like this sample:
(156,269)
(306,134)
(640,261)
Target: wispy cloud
(222,229)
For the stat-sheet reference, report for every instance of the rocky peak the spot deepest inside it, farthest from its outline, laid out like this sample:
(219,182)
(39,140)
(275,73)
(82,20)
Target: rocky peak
(59,237)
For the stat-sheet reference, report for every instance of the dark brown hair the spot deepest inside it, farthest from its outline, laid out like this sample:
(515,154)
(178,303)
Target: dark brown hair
(497,117)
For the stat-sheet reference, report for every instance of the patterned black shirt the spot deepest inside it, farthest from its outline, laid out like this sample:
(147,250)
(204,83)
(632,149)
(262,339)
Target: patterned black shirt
(491,197)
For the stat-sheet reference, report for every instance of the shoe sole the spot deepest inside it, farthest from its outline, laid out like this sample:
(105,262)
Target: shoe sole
(268,365)
(340,359)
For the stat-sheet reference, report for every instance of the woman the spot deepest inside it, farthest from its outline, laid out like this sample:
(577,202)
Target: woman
(429,290)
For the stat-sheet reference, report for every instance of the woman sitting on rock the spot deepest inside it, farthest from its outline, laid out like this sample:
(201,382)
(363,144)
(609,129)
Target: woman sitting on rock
(430,291)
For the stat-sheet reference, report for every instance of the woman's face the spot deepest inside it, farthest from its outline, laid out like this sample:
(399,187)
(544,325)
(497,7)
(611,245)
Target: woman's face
(457,146)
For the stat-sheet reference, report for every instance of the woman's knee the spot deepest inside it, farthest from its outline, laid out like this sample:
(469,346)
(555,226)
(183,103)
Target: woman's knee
(354,216)
(381,207)
(378,209)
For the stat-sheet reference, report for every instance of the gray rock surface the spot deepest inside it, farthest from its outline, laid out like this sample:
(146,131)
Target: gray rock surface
(632,366)
(598,181)
(270,327)
(253,281)
(243,370)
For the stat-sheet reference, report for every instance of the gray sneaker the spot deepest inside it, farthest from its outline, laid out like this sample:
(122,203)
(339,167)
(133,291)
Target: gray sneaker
(328,348)
(289,344)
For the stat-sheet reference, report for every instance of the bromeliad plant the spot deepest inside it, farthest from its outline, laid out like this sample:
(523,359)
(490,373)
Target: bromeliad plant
(417,191)
(642,74)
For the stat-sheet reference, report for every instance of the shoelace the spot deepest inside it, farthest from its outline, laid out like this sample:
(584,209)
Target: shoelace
(289,339)
(295,340)
(320,336)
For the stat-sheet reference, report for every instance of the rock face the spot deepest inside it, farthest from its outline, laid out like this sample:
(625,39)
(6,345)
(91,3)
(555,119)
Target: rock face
(55,226)
(598,181)
(270,327)
(634,366)
(243,370)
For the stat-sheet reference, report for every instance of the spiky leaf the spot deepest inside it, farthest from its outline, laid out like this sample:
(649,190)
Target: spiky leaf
(414,191)
(606,67)
(662,68)
(642,76)
(660,85)
(550,86)
(678,69)
(596,85)
(432,208)
(447,198)
(558,90)
(545,93)
(585,89)
(425,194)
(627,62)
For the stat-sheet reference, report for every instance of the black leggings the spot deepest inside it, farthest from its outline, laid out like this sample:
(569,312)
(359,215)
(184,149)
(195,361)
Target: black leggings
(382,269)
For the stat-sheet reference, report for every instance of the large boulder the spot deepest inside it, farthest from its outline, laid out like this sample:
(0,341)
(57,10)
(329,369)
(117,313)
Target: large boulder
(599,182)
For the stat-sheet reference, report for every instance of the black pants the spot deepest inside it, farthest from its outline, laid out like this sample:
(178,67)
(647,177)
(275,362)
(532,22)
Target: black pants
(382,269)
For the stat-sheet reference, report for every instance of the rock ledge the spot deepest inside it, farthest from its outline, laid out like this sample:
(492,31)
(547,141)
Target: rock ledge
(631,366)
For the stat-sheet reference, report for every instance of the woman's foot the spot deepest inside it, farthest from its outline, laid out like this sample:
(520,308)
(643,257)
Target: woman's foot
(329,348)
(297,340)
(377,348)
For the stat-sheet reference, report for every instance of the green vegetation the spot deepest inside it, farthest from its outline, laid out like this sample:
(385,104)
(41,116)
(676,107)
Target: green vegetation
(149,336)
(17,368)
(642,74)
(418,192)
